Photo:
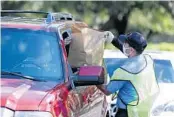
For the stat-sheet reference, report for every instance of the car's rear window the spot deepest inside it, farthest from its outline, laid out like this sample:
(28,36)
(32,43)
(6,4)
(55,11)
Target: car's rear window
(164,71)
(30,52)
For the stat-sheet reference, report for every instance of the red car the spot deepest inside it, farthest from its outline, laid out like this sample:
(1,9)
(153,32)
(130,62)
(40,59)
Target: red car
(36,78)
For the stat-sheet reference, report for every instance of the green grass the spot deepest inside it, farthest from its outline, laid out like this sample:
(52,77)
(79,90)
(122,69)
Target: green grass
(163,46)
(110,46)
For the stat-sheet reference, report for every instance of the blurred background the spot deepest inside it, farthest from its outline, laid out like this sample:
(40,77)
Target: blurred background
(155,19)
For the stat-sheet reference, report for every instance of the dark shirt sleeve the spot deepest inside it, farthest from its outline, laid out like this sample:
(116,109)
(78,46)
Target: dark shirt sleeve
(118,43)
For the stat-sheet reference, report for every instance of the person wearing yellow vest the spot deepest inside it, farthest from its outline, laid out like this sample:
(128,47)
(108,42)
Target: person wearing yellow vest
(134,81)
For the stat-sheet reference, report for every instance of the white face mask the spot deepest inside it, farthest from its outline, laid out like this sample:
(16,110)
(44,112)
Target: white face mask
(126,50)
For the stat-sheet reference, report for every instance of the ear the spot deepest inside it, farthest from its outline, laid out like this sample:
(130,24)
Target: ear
(132,50)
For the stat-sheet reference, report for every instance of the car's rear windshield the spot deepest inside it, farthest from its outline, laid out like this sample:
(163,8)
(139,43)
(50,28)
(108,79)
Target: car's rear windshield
(33,53)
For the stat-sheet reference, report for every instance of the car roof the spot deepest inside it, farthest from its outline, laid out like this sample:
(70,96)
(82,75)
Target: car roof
(32,26)
(30,23)
(35,25)
(49,22)
(11,18)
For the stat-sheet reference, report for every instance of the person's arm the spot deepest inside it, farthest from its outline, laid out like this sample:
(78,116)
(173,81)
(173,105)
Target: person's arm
(103,88)
(112,87)
(117,42)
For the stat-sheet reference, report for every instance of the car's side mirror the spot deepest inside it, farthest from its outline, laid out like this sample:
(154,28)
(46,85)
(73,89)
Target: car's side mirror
(89,75)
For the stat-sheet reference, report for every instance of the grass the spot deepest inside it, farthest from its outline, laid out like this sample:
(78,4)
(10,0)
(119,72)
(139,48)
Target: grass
(163,46)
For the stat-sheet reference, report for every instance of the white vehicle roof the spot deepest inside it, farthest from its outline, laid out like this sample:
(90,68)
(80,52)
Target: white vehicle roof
(162,55)
(166,55)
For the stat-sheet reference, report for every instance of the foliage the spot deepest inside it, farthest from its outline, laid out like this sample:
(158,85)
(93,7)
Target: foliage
(158,20)
(119,17)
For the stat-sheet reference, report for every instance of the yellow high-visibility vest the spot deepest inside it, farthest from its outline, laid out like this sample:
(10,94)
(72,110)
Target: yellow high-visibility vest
(139,72)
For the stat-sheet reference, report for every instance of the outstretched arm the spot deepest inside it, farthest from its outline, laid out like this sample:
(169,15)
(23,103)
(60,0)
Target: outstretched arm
(117,42)
(112,87)
(103,88)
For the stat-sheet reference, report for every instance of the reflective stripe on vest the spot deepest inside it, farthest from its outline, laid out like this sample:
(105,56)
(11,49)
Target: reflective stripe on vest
(144,83)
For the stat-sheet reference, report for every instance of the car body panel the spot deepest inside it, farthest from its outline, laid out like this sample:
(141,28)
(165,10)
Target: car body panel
(18,94)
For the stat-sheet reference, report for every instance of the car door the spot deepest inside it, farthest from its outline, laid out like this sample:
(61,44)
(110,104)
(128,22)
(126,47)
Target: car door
(97,102)
(83,99)
(92,101)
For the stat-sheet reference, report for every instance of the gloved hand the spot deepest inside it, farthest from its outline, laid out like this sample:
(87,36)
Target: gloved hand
(108,36)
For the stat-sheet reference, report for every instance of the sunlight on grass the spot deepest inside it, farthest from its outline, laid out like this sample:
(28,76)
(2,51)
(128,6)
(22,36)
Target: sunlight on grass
(161,46)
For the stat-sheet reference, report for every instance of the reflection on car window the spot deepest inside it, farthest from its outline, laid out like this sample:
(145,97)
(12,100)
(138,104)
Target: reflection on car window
(164,71)
(33,53)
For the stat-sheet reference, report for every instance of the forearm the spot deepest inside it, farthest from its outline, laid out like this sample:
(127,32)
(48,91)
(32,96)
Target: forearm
(112,87)
(117,43)
(109,38)
(103,89)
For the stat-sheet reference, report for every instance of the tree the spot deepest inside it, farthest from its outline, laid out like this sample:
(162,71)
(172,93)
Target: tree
(12,5)
(117,16)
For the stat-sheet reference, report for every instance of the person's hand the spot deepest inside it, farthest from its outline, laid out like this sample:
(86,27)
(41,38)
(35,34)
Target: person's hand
(108,36)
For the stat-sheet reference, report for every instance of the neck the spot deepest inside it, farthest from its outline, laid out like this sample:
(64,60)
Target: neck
(133,55)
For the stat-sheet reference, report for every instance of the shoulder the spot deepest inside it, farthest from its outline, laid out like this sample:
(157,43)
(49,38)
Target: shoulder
(135,65)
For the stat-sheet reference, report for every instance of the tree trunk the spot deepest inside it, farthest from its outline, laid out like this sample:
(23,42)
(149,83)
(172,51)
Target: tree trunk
(115,23)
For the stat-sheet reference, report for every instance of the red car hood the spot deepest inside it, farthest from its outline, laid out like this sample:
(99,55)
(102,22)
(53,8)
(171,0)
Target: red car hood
(22,94)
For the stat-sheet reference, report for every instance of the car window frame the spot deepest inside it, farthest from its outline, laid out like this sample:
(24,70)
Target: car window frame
(64,62)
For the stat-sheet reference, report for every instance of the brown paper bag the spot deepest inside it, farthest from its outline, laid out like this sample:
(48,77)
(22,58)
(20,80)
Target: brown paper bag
(87,47)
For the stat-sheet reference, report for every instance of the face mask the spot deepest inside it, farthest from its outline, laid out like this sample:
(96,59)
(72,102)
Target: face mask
(126,51)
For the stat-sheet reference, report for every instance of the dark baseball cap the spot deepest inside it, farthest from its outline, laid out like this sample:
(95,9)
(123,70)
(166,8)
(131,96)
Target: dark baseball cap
(135,40)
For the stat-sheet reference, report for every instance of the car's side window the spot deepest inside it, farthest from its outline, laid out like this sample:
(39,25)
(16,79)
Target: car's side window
(164,71)
(67,41)
(67,38)
(65,35)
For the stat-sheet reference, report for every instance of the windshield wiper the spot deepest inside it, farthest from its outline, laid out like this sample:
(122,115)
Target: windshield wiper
(20,75)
